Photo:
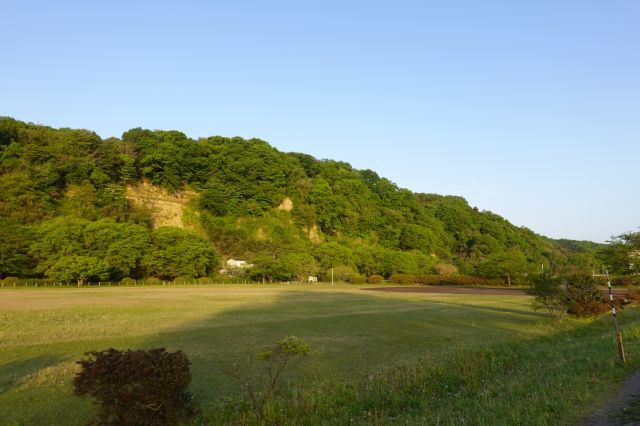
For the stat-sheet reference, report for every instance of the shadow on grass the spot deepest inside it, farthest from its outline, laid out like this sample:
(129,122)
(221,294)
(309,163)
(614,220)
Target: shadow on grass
(348,333)
(353,334)
(13,373)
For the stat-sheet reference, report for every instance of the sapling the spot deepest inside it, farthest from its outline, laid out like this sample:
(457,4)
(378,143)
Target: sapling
(278,359)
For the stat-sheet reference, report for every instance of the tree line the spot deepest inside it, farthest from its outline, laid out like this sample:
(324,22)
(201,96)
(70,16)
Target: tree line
(64,209)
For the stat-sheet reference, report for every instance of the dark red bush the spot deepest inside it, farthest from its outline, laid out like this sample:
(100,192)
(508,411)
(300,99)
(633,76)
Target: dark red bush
(143,387)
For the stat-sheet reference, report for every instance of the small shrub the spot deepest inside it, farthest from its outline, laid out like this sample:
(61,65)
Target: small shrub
(143,387)
(446,269)
(584,297)
(358,280)
(403,278)
(152,281)
(428,279)
(277,360)
(341,273)
(127,281)
(375,279)
(182,280)
(549,296)
(10,281)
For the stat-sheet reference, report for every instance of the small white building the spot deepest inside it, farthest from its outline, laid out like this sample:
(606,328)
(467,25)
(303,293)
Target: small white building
(233,266)
(235,263)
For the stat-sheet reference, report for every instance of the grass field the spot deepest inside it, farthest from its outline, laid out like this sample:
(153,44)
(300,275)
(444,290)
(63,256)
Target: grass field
(353,334)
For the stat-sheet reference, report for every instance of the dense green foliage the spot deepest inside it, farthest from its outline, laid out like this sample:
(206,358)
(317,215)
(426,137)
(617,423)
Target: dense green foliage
(63,192)
(622,255)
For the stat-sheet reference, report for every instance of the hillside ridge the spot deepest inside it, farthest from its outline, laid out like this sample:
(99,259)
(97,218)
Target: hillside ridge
(291,214)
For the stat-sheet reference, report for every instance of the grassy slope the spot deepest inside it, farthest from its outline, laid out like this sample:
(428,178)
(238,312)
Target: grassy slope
(351,332)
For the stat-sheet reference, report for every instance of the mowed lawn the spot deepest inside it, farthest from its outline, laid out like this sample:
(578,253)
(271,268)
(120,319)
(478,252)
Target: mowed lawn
(43,333)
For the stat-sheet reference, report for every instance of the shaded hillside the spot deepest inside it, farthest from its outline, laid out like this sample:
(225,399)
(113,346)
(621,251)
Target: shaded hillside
(288,213)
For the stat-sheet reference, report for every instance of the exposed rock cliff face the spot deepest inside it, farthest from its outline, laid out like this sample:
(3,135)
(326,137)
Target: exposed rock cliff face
(286,205)
(166,208)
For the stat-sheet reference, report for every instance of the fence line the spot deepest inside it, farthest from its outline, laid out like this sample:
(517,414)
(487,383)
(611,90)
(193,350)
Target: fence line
(40,282)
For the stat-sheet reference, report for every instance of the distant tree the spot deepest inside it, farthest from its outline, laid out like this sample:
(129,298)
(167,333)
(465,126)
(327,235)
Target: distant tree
(417,237)
(399,262)
(217,198)
(508,265)
(128,172)
(119,246)
(332,254)
(8,130)
(622,254)
(55,239)
(79,269)
(549,296)
(14,249)
(266,268)
(80,201)
(177,252)
(301,265)
(122,246)
(340,273)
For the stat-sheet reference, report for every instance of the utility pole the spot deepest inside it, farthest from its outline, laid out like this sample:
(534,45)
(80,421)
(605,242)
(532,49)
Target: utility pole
(615,320)
(332,275)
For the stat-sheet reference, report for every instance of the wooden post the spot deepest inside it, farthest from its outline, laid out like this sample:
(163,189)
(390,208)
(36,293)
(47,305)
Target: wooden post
(615,321)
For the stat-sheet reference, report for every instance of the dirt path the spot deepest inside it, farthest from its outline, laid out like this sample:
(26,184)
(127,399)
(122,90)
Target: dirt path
(454,290)
(616,411)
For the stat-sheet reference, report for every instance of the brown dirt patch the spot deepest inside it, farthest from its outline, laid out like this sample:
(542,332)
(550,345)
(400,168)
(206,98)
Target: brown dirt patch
(489,291)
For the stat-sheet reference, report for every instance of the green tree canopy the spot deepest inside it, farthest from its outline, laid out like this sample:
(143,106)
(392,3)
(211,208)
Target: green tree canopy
(177,252)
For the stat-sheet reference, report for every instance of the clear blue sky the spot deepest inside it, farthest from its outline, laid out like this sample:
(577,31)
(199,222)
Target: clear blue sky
(530,109)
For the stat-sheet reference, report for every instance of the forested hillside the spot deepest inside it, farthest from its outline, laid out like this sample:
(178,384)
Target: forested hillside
(67,213)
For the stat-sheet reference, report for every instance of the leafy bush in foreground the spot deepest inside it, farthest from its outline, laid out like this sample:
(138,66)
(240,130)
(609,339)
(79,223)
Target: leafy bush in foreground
(143,387)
